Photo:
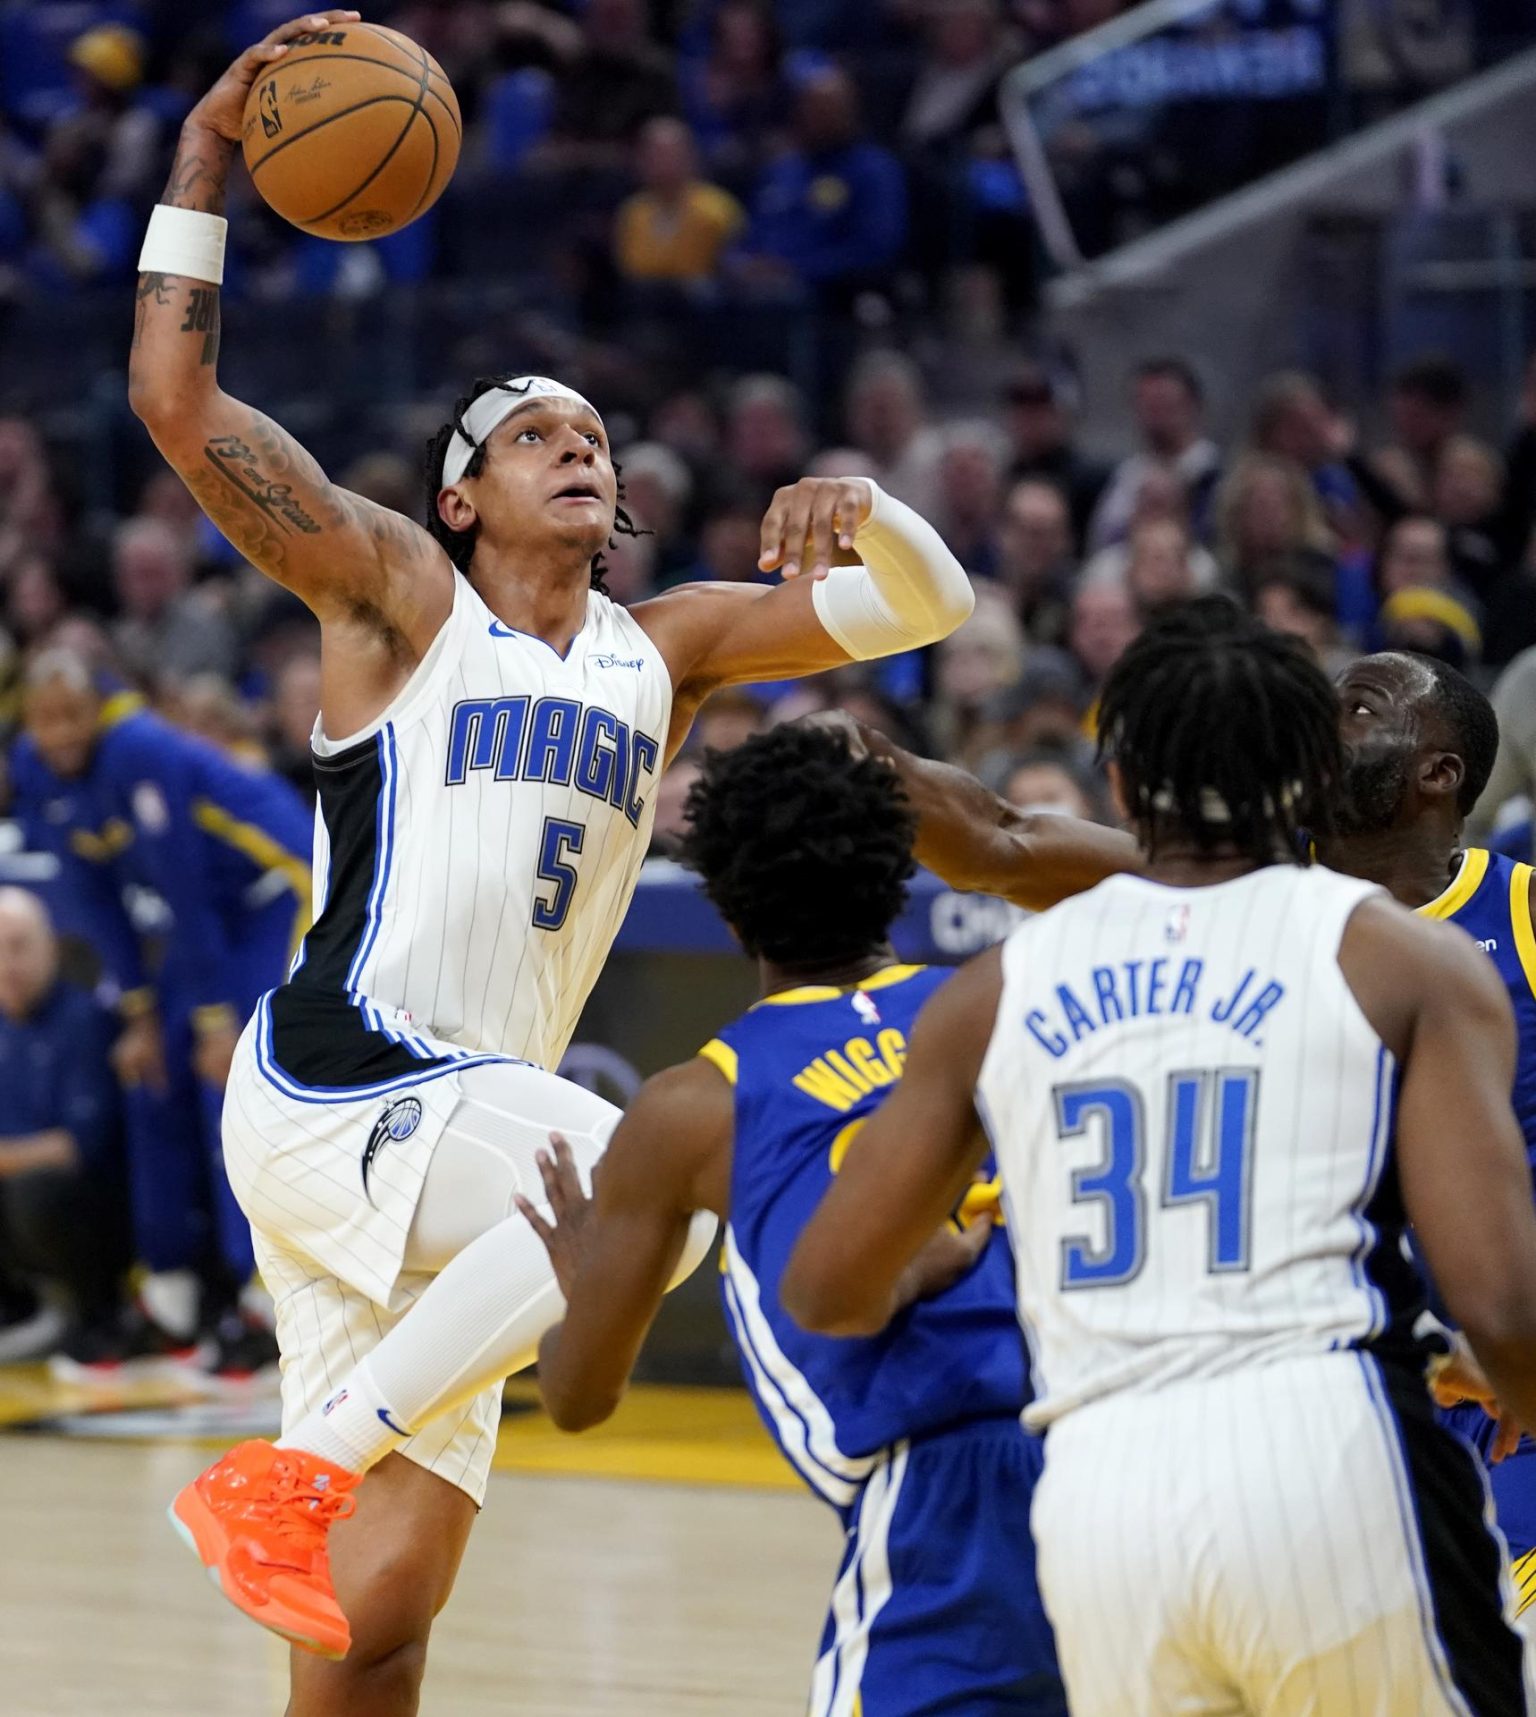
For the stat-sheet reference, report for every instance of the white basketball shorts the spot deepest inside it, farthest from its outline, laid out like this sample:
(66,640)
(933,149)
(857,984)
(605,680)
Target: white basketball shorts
(330,1183)
(1299,1539)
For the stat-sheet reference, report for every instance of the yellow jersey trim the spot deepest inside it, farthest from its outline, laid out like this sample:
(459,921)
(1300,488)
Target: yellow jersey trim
(1520,916)
(880,980)
(1522,1573)
(261,849)
(116,836)
(1465,883)
(118,708)
(721,1057)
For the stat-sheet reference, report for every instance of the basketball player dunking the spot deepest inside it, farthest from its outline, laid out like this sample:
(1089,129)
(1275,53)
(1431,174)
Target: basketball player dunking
(1217,1093)
(492,729)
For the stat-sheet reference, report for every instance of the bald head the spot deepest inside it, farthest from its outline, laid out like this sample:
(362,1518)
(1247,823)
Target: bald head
(29,958)
(1420,741)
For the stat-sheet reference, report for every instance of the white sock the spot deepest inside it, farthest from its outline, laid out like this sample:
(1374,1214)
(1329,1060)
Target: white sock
(354,1427)
(478,1322)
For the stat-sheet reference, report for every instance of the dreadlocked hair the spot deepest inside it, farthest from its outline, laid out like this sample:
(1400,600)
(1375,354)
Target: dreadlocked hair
(1225,733)
(459,546)
(805,850)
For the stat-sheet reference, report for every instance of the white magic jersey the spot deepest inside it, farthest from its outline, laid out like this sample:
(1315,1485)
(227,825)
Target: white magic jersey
(477,847)
(1193,1122)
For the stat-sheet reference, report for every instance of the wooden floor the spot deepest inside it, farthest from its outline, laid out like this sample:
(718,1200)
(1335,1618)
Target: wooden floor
(581,1595)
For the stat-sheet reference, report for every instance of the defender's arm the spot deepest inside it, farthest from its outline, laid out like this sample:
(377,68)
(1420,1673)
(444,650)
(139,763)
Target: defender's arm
(341,554)
(615,1255)
(981,844)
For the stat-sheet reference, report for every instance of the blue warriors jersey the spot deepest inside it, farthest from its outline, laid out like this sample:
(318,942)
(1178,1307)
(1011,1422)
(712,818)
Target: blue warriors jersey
(1490,898)
(809,1067)
(226,847)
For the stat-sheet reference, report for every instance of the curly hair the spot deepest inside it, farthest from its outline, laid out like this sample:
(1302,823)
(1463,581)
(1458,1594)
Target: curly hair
(460,545)
(1224,732)
(805,850)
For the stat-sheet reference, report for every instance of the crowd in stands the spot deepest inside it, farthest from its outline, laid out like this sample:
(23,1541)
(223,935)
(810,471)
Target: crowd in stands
(724,147)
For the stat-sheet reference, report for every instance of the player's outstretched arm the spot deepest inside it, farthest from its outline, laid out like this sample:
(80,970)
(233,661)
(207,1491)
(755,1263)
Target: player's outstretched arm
(864,577)
(1437,1002)
(904,1173)
(341,554)
(979,843)
(615,1253)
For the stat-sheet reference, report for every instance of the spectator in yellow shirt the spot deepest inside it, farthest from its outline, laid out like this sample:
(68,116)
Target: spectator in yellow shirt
(677,226)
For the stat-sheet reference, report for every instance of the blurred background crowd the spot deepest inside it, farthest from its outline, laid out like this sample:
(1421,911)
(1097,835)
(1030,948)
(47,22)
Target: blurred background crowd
(767,237)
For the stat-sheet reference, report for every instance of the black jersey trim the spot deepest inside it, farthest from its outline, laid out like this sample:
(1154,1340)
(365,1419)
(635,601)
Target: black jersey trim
(1447,1511)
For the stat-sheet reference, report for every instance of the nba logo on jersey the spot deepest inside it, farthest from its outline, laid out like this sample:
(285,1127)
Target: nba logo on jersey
(865,1008)
(1177,927)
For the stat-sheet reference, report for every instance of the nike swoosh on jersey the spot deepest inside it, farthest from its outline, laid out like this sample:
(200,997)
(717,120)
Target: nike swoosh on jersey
(399,1430)
(497,630)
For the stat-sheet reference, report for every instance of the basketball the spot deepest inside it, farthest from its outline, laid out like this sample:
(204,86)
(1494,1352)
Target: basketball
(353,133)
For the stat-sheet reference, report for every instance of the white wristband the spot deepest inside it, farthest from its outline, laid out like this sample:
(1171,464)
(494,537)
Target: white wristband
(186,242)
(910,590)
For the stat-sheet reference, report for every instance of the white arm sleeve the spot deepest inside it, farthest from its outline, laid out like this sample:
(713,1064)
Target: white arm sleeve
(910,590)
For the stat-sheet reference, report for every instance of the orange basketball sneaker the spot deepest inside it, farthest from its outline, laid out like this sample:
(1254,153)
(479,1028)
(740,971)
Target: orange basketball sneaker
(257,1520)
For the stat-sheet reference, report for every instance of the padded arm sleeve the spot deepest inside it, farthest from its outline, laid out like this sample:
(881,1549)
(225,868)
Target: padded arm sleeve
(910,590)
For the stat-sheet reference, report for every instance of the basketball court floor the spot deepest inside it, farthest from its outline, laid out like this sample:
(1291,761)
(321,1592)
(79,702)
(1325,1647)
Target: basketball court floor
(664,1565)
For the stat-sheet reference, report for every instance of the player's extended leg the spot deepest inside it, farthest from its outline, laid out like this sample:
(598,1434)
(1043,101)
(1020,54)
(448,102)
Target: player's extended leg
(494,1293)
(414,1373)
(393,1563)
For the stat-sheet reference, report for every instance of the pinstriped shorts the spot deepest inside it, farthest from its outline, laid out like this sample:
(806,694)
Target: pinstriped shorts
(1298,1537)
(330,1248)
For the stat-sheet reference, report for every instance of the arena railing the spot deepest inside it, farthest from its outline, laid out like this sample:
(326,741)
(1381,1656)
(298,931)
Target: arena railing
(1177,104)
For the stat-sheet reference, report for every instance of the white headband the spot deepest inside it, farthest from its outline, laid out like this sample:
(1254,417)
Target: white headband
(492,407)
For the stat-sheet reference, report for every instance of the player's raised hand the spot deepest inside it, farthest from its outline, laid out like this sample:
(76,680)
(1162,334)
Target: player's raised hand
(569,1206)
(222,110)
(810,522)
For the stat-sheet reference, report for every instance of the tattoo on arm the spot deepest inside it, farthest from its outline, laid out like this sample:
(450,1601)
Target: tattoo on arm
(151,286)
(238,465)
(203,318)
(199,174)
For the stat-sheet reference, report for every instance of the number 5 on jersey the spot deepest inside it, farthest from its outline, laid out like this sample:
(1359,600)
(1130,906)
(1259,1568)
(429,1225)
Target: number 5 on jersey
(1207,1159)
(560,842)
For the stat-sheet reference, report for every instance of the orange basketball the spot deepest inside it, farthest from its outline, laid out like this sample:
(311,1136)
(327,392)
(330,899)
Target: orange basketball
(353,133)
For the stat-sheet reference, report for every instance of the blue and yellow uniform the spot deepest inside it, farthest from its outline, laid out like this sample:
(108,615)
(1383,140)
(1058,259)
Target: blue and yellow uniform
(227,848)
(1490,898)
(913,1435)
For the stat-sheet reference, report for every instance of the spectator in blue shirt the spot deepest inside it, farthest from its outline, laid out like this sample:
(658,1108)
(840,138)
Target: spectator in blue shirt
(58,1146)
(832,212)
(124,800)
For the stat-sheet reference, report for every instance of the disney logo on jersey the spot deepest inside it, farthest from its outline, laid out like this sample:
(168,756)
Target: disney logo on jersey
(555,741)
(396,1124)
(617,661)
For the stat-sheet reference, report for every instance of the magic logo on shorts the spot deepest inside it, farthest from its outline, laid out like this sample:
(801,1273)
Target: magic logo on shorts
(397,1123)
